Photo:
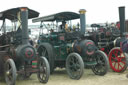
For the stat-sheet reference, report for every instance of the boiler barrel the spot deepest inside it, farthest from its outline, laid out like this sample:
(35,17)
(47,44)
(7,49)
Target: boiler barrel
(84,47)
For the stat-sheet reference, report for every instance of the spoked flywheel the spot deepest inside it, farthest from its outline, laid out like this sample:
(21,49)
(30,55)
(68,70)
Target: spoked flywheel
(74,66)
(43,70)
(10,72)
(101,68)
(117,60)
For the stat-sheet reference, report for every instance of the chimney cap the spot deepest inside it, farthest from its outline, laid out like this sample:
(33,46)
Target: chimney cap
(82,11)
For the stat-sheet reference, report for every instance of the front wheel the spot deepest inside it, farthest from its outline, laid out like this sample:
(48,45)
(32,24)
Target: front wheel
(10,72)
(117,60)
(43,70)
(101,68)
(74,66)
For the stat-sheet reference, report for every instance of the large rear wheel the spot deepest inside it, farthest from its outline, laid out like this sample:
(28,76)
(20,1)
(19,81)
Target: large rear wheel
(101,68)
(10,72)
(46,50)
(117,60)
(74,66)
(43,70)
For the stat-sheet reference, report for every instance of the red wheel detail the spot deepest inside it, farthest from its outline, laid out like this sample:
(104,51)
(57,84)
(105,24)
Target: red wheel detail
(114,64)
(117,60)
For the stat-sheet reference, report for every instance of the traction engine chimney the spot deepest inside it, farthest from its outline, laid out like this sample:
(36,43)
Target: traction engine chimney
(24,24)
(82,20)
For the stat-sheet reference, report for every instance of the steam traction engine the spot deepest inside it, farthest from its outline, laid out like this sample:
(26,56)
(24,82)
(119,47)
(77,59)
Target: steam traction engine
(17,56)
(70,48)
(109,40)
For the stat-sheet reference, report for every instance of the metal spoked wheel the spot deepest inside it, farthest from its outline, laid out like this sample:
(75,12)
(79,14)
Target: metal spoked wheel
(74,66)
(117,60)
(101,68)
(44,70)
(10,72)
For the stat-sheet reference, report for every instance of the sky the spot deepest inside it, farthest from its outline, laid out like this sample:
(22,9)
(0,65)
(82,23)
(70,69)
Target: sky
(98,11)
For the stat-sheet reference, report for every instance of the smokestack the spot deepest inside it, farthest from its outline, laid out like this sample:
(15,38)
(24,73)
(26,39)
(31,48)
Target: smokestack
(122,19)
(24,24)
(82,20)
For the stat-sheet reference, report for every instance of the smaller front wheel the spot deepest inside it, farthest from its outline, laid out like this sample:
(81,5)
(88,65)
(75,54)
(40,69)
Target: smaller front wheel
(117,60)
(43,70)
(102,65)
(74,66)
(10,72)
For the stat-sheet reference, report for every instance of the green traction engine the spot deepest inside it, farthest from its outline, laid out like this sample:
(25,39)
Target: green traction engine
(69,49)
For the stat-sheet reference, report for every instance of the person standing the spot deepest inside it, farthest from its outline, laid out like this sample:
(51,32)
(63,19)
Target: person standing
(30,41)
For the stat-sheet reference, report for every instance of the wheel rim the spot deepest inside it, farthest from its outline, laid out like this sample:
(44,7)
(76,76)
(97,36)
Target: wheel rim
(10,72)
(117,60)
(101,65)
(44,70)
(74,67)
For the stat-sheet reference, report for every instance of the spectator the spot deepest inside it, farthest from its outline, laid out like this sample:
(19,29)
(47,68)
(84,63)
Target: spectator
(62,27)
(31,42)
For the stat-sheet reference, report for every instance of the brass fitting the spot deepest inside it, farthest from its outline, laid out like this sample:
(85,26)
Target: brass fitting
(82,11)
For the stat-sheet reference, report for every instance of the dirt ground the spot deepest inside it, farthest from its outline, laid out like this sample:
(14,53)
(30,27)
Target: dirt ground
(60,77)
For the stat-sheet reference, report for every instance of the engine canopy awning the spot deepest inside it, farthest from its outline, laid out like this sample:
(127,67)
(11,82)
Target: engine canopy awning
(11,14)
(62,16)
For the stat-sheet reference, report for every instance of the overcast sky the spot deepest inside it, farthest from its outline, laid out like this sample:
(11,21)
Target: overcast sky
(98,11)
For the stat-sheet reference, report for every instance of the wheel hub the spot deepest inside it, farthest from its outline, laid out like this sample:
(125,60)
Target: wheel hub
(118,59)
(99,61)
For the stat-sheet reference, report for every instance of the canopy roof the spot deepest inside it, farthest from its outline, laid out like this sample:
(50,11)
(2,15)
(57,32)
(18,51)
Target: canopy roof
(62,16)
(11,14)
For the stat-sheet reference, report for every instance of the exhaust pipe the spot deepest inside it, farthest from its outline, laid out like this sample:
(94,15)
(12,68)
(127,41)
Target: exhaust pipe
(82,20)
(24,24)
(122,20)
